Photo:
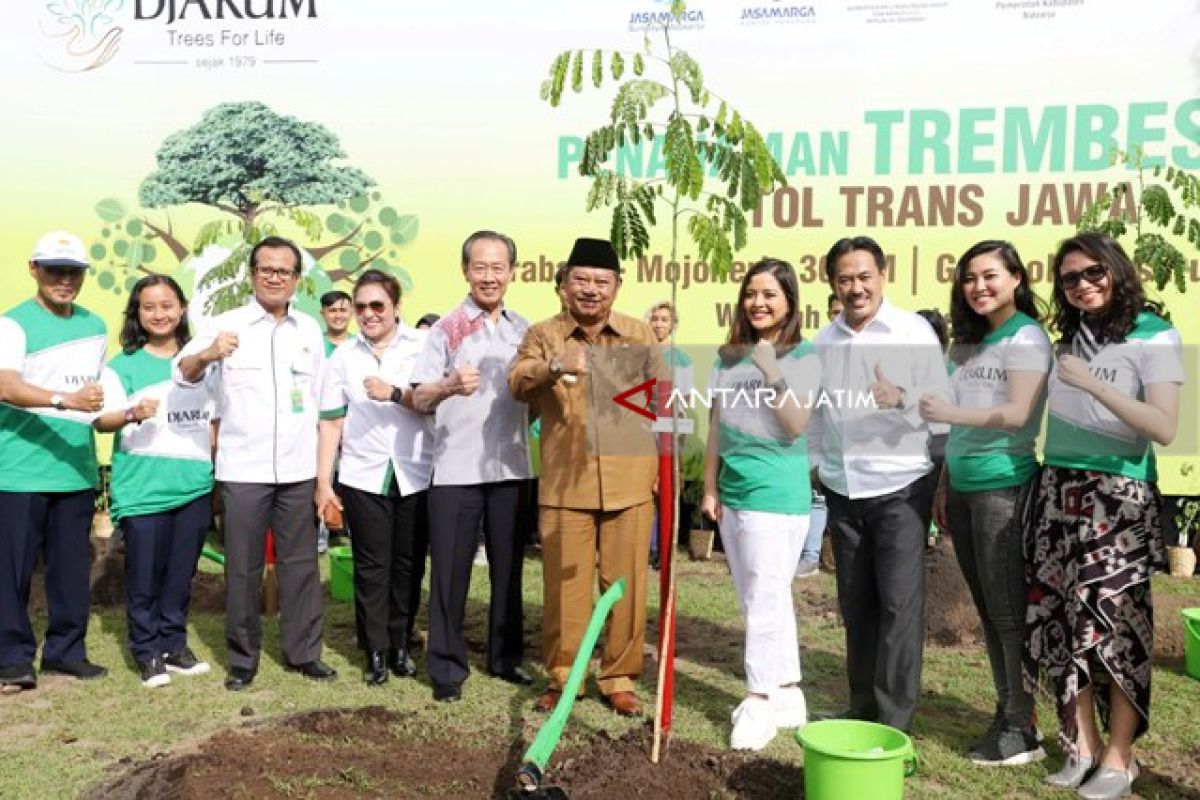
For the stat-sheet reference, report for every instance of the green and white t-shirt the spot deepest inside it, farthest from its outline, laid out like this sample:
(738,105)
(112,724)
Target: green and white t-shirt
(166,461)
(43,449)
(762,467)
(985,458)
(1080,432)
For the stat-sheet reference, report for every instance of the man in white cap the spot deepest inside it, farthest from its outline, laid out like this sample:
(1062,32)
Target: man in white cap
(51,356)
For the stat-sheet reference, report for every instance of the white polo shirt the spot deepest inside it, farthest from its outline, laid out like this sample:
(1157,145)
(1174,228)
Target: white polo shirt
(380,440)
(862,450)
(266,394)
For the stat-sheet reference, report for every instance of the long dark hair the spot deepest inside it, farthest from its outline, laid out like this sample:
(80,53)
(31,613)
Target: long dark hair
(742,336)
(133,335)
(1128,297)
(968,327)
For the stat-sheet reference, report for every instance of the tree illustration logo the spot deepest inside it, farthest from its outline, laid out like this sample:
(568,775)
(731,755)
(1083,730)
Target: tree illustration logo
(250,172)
(79,35)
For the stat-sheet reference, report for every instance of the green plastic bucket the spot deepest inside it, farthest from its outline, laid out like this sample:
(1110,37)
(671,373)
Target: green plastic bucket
(1191,625)
(845,758)
(341,574)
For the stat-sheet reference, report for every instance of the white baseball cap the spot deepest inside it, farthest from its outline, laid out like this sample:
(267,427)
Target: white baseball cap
(60,249)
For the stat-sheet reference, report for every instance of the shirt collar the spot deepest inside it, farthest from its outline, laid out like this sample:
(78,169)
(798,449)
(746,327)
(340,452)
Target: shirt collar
(473,309)
(403,334)
(258,312)
(886,318)
(615,323)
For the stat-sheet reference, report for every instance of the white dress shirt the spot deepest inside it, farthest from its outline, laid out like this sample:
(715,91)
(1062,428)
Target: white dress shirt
(379,439)
(862,450)
(266,394)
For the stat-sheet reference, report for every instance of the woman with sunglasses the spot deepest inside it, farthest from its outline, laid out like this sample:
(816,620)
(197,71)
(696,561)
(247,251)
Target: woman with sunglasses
(383,474)
(1097,535)
(1000,357)
(756,486)
(162,476)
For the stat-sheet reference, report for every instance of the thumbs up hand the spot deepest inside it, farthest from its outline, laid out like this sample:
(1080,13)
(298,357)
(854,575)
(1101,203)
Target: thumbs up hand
(886,393)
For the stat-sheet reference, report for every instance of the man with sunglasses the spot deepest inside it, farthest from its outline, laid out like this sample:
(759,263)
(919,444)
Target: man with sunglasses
(51,355)
(268,355)
(480,464)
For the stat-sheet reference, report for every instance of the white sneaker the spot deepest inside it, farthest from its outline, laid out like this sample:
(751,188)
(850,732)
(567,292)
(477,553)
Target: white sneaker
(753,724)
(791,710)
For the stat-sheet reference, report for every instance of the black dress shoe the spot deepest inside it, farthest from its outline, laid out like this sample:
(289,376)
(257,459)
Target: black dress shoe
(401,663)
(83,669)
(314,670)
(515,675)
(377,673)
(238,678)
(447,693)
(21,676)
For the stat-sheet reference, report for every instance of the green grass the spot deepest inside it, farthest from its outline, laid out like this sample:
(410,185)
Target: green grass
(66,737)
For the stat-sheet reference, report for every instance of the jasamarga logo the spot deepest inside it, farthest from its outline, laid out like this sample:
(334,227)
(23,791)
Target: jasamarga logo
(171,10)
(691,19)
(778,13)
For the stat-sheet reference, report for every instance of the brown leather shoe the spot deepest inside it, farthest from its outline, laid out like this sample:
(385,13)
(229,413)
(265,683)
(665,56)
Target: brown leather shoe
(624,703)
(547,701)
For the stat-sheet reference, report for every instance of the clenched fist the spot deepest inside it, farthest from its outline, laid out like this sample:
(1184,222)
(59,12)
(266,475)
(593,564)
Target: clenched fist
(222,347)
(146,408)
(574,359)
(89,399)
(464,380)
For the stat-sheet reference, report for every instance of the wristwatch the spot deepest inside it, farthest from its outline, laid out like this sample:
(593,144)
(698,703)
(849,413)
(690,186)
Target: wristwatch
(56,400)
(397,394)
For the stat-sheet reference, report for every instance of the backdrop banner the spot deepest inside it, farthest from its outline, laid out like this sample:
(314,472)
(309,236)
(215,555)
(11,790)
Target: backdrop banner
(164,132)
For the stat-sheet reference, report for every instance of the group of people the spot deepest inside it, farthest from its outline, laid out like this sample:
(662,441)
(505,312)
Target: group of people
(427,433)
(1057,555)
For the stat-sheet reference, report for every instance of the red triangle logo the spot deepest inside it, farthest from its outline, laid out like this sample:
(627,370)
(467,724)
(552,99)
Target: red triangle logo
(645,388)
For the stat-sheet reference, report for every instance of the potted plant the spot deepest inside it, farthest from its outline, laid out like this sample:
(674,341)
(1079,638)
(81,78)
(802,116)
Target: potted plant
(1181,559)
(700,531)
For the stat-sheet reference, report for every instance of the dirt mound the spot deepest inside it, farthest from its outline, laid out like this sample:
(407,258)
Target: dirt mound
(950,616)
(107,582)
(374,752)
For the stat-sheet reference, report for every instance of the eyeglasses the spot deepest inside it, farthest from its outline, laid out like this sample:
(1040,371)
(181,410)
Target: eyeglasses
(278,274)
(377,306)
(1093,274)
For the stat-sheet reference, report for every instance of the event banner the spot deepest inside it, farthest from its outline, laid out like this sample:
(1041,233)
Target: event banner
(380,134)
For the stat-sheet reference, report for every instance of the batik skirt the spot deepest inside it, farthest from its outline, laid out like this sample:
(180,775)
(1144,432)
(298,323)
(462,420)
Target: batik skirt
(1094,541)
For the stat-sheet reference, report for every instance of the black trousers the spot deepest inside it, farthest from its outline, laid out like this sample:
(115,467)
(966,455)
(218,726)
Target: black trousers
(390,536)
(54,525)
(161,551)
(287,509)
(879,545)
(454,516)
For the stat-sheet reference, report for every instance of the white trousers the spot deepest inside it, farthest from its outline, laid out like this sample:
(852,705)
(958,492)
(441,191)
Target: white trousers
(763,549)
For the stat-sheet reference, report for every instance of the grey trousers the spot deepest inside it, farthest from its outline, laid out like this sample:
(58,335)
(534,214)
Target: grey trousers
(879,545)
(987,531)
(287,509)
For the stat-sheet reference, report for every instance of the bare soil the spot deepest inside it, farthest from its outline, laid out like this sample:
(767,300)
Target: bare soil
(375,752)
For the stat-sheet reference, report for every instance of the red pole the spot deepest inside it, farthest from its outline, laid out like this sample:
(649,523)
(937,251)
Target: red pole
(665,700)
